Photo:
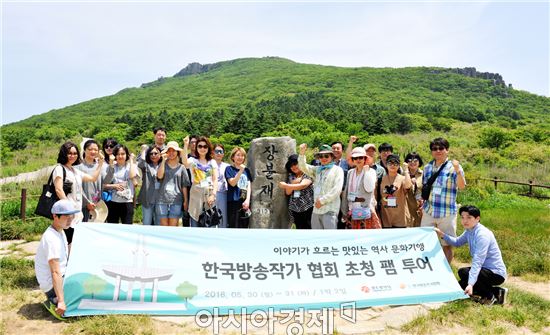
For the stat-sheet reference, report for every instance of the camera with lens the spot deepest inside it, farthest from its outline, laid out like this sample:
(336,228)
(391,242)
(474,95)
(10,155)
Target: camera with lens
(390,189)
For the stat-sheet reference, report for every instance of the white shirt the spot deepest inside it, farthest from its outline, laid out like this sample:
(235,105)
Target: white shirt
(75,176)
(53,245)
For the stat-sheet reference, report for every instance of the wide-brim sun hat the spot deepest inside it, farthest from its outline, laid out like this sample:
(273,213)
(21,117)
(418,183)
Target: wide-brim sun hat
(99,213)
(358,152)
(172,144)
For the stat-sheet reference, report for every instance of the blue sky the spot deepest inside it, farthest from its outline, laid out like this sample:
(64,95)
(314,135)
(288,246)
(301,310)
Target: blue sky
(56,54)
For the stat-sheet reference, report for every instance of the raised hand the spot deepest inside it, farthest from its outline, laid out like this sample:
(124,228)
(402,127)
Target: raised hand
(303,148)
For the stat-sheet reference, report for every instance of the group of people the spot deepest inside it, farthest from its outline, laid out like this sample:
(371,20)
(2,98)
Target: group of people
(337,190)
(176,182)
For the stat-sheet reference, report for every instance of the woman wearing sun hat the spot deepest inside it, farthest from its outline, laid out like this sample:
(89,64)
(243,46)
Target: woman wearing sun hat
(329,179)
(359,192)
(172,192)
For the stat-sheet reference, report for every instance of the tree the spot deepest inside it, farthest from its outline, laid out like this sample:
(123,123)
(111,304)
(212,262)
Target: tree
(186,290)
(494,138)
(94,285)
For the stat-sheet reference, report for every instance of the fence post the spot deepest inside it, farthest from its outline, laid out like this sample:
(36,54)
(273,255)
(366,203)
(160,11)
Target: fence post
(495,180)
(23,209)
(530,187)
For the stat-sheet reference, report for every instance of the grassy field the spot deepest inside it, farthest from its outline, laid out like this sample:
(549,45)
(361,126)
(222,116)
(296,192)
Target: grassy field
(521,226)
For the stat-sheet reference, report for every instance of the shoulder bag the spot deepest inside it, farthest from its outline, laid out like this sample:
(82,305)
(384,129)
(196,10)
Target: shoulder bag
(427,188)
(49,197)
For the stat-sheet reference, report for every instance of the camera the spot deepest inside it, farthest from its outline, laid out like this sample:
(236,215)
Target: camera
(390,189)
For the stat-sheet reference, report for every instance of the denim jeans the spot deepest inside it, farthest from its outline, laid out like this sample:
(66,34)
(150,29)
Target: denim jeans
(149,215)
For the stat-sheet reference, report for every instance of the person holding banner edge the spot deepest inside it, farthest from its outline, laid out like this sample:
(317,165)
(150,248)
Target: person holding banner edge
(488,269)
(50,261)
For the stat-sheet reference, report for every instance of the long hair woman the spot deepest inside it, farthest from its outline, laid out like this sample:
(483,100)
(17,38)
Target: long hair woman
(65,172)
(148,162)
(204,177)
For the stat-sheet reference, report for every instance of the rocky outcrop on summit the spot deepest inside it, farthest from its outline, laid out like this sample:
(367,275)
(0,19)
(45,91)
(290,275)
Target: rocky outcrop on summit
(472,72)
(196,68)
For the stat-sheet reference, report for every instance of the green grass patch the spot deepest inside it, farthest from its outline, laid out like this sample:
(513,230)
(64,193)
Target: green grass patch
(524,310)
(111,324)
(17,273)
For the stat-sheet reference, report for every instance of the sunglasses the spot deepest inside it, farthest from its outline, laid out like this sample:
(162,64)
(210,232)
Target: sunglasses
(109,146)
(72,153)
(325,156)
(414,160)
(393,164)
(357,158)
(202,146)
(218,151)
(437,148)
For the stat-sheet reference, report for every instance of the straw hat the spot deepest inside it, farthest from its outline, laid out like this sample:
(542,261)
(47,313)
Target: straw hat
(172,144)
(99,214)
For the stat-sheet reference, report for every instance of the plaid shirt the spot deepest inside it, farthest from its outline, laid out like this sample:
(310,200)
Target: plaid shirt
(442,201)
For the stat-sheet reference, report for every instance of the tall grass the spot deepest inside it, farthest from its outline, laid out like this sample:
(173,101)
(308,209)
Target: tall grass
(525,310)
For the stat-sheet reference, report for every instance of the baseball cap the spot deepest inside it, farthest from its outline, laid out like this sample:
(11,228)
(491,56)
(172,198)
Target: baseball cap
(64,207)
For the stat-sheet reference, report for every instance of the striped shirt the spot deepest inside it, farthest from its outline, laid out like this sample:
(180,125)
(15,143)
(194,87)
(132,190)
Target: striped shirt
(442,201)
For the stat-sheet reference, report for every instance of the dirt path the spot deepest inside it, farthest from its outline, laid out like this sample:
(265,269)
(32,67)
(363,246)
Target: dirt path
(22,313)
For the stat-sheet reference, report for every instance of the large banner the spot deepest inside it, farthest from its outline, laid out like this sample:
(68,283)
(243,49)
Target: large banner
(182,271)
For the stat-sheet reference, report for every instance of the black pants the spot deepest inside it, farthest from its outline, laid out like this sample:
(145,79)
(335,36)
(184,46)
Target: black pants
(485,281)
(69,232)
(234,215)
(302,219)
(120,212)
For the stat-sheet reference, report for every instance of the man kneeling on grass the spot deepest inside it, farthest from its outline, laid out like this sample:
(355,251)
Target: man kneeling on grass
(487,268)
(51,257)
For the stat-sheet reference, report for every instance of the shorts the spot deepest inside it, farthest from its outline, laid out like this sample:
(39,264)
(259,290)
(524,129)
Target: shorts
(446,224)
(170,211)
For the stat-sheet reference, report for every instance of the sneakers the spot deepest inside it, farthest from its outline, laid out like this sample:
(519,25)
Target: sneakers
(484,301)
(50,307)
(501,293)
(489,301)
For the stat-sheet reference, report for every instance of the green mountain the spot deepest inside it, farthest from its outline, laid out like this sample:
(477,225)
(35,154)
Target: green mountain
(235,101)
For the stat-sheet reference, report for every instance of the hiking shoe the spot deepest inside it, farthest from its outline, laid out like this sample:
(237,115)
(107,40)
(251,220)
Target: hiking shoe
(502,295)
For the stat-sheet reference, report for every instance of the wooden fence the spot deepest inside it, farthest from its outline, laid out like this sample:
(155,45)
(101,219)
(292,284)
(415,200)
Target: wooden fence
(530,183)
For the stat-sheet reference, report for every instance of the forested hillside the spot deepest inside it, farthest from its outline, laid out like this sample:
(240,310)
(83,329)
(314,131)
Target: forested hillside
(238,100)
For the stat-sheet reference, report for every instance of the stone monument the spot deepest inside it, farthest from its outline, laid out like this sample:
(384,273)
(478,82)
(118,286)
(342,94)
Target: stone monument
(266,160)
